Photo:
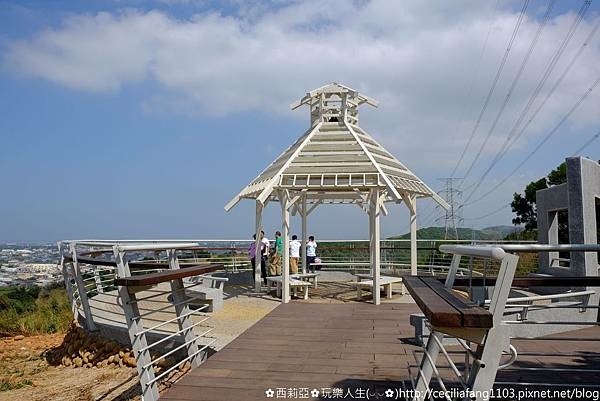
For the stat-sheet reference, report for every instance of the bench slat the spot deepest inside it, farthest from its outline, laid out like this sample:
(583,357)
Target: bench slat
(435,308)
(472,314)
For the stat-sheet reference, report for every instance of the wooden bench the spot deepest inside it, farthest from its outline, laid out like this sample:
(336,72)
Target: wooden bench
(448,311)
(384,281)
(294,285)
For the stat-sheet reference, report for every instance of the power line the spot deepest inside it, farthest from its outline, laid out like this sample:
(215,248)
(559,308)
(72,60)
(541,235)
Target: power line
(586,144)
(544,140)
(501,208)
(494,83)
(474,80)
(513,85)
(512,138)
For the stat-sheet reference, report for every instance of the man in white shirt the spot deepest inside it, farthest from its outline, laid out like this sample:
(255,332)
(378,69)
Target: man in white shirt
(294,254)
(311,252)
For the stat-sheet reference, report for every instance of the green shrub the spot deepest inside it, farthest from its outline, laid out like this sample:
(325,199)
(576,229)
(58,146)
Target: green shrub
(34,311)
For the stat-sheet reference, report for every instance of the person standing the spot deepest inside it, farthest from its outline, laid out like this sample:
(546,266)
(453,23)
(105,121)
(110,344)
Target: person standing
(264,254)
(294,254)
(252,256)
(276,258)
(311,252)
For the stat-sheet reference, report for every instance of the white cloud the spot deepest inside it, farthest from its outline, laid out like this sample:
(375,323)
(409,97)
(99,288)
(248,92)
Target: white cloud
(418,58)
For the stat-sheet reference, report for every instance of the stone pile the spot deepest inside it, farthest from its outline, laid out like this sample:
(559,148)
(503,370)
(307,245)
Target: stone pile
(81,349)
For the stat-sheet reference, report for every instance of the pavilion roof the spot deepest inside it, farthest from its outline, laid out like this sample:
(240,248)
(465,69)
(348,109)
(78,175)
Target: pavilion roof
(336,161)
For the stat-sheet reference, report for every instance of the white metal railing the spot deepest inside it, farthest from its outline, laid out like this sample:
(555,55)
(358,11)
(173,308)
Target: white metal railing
(233,254)
(480,366)
(90,270)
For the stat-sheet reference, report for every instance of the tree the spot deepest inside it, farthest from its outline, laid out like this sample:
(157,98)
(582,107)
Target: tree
(524,206)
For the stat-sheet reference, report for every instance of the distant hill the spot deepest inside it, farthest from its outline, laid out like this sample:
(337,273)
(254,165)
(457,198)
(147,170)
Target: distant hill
(488,233)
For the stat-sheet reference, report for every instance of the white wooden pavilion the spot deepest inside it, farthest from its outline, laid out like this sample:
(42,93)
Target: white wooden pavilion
(335,162)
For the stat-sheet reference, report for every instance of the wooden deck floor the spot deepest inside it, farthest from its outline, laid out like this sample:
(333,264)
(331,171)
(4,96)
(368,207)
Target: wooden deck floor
(305,346)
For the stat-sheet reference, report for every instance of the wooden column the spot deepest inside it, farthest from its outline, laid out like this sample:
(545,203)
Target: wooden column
(304,214)
(374,236)
(285,219)
(413,236)
(257,258)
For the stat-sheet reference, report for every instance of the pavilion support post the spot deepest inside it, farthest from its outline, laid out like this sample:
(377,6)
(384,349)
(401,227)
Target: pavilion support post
(257,243)
(374,235)
(304,215)
(285,218)
(413,236)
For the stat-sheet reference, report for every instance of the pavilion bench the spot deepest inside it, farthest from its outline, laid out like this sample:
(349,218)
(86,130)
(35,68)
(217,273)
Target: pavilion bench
(295,284)
(384,281)
(307,277)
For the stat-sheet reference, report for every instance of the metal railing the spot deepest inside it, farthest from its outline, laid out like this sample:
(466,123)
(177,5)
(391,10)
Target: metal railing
(475,370)
(166,318)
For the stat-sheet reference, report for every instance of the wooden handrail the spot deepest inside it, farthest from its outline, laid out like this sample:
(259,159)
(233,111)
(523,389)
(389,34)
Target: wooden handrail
(445,308)
(161,277)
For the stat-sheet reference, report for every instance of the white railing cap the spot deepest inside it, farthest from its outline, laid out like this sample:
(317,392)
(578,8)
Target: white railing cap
(493,252)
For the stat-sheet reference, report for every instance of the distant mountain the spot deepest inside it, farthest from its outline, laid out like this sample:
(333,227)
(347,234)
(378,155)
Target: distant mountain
(488,233)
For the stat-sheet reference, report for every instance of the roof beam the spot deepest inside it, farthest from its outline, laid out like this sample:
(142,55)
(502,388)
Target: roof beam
(264,195)
(389,184)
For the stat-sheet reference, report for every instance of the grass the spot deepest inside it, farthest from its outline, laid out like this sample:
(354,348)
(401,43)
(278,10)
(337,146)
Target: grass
(7,385)
(30,311)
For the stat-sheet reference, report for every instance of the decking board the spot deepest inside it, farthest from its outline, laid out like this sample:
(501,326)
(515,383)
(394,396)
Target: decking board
(296,346)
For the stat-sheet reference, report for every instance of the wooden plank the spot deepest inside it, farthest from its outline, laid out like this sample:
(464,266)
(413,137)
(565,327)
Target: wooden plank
(435,308)
(161,277)
(472,315)
(253,363)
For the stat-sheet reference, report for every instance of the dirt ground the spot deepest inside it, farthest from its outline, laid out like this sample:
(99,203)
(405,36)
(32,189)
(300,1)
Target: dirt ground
(25,374)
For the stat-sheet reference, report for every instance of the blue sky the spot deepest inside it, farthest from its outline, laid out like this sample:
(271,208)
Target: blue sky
(125,119)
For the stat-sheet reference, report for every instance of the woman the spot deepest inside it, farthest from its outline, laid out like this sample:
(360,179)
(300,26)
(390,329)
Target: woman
(252,256)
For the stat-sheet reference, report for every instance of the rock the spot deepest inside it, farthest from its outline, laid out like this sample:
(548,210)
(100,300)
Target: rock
(18,338)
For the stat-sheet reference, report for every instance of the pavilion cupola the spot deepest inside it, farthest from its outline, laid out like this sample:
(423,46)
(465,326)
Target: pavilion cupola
(334,103)
(336,160)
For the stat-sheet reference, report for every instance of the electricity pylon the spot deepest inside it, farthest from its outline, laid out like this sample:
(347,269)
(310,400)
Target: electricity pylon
(451,217)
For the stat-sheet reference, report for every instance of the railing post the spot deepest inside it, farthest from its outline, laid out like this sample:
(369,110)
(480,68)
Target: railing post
(97,280)
(67,279)
(85,304)
(498,338)
(135,327)
(427,366)
(182,309)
